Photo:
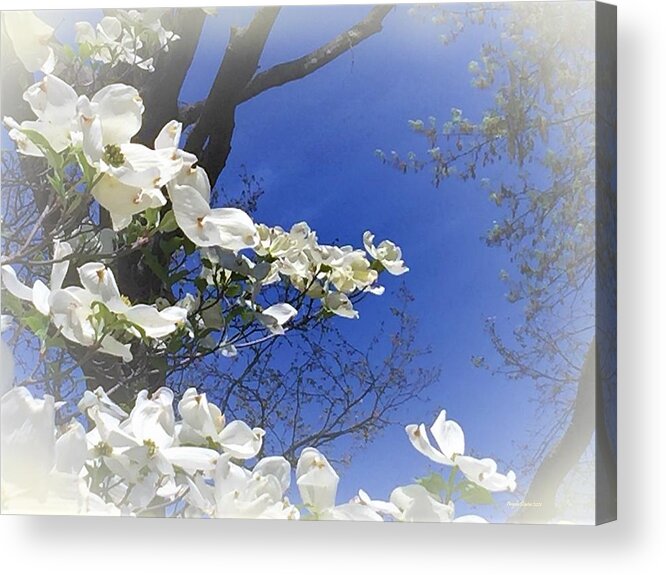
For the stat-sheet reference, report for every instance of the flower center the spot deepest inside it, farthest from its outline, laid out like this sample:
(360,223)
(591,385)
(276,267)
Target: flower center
(113,155)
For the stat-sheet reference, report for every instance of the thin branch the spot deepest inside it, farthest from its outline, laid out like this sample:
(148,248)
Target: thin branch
(299,68)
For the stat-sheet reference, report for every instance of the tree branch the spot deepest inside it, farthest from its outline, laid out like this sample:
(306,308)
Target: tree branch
(299,68)
(236,82)
(210,139)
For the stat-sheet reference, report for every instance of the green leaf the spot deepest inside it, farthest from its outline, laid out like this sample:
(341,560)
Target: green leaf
(171,245)
(37,323)
(173,278)
(89,172)
(474,494)
(189,246)
(85,50)
(52,157)
(201,284)
(155,266)
(174,344)
(233,290)
(168,223)
(434,483)
(377,266)
(152,216)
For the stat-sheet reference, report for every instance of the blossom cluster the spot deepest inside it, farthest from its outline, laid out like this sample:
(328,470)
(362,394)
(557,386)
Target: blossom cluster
(130,36)
(93,313)
(151,461)
(91,137)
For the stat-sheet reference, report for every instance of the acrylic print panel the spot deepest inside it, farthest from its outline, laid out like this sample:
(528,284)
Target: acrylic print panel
(325,262)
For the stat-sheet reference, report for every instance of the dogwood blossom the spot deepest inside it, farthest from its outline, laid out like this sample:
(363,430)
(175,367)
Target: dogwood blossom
(318,484)
(386,253)
(31,38)
(196,463)
(276,316)
(72,309)
(41,472)
(229,228)
(451,441)
(130,37)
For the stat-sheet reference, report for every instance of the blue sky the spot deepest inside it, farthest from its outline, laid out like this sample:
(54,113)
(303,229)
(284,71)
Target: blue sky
(312,143)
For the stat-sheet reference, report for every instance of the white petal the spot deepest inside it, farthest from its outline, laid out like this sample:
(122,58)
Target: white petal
(13,285)
(316,479)
(101,400)
(145,168)
(416,504)
(84,32)
(275,316)
(499,482)
(169,136)
(70,311)
(91,130)
(238,440)
(190,210)
(112,346)
(197,178)
(111,27)
(52,100)
(40,297)
(368,239)
(383,507)
(281,312)
(476,469)
(192,459)
(123,201)
(341,305)
(99,280)
(277,467)
(448,435)
(27,437)
(419,438)
(30,37)
(155,323)
(58,134)
(120,108)
(236,229)
(71,449)
(61,250)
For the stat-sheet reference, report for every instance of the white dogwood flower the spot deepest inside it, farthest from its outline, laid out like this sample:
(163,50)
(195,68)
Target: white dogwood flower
(202,421)
(31,38)
(40,294)
(100,281)
(386,253)
(318,484)
(415,503)
(228,228)
(40,472)
(448,435)
(340,304)
(484,473)
(276,316)
(451,442)
(110,118)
